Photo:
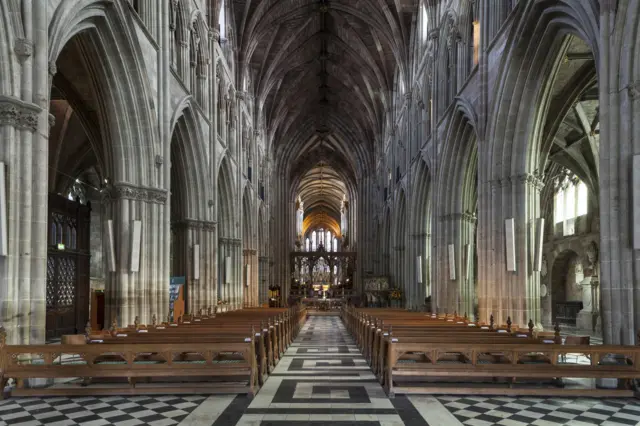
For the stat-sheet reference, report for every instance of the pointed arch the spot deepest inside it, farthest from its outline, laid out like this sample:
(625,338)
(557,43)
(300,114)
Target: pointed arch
(422,219)
(125,92)
(536,39)
(188,151)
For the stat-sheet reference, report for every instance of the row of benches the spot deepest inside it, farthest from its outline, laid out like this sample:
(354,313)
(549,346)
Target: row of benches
(425,353)
(231,352)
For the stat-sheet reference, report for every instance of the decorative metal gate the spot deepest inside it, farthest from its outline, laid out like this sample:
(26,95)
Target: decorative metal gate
(68,285)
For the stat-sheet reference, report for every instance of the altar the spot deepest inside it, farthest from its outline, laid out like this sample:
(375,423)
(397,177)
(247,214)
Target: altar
(322,276)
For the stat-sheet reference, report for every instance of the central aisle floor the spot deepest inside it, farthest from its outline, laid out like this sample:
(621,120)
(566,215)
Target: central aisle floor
(323,379)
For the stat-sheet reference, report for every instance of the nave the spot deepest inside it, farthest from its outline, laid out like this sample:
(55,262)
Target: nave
(322,379)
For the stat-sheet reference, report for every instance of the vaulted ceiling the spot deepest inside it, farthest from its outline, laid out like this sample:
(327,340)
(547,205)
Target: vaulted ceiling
(322,190)
(322,72)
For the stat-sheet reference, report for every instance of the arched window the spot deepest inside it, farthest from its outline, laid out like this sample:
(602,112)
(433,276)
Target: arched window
(425,23)
(335,244)
(313,241)
(307,245)
(327,241)
(222,22)
(570,202)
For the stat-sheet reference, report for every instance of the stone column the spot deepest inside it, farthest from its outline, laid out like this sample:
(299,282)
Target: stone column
(263,279)
(183,39)
(96,243)
(238,288)
(20,294)
(24,148)
(144,293)
(194,41)
(173,11)
(250,257)
(284,228)
(500,292)
(368,229)
(420,246)
(146,9)
(200,292)
(458,295)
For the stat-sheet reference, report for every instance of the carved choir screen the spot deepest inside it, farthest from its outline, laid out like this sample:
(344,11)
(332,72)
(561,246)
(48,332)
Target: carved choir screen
(67,295)
(322,275)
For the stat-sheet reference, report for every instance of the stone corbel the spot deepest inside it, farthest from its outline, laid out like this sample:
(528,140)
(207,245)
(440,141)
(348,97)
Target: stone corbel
(634,90)
(23,47)
(19,114)
(531,179)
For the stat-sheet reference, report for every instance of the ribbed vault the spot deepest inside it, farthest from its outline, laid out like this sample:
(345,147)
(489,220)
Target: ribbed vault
(322,72)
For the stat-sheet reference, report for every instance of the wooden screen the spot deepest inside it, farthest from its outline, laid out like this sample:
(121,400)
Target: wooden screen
(67,297)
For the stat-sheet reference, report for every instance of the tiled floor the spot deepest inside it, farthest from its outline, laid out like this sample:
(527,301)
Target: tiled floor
(321,380)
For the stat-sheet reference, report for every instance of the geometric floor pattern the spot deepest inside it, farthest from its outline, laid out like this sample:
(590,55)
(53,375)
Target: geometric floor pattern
(104,410)
(321,380)
(487,411)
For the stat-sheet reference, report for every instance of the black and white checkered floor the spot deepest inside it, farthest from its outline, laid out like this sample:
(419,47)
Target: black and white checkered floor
(322,379)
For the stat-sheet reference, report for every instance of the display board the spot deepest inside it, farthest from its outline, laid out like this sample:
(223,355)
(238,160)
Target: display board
(176,297)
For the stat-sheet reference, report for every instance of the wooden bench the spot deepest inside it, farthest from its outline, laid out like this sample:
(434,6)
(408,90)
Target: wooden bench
(494,361)
(189,336)
(148,368)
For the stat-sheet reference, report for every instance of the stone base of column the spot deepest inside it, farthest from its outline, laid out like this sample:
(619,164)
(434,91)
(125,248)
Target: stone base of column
(24,326)
(607,383)
(586,322)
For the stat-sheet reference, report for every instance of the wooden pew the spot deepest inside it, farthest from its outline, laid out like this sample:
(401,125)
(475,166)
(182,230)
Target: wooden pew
(493,361)
(160,363)
(429,347)
(203,334)
(211,329)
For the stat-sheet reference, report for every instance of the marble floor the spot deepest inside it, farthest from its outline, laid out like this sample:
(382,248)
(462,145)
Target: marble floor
(322,380)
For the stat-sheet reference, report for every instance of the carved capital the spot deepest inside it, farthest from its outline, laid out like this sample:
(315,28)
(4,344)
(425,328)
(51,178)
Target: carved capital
(231,241)
(535,181)
(19,114)
(127,191)
(195,224)
(464,217)
(530,179)
(421,104)
(52,121)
